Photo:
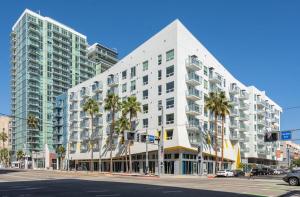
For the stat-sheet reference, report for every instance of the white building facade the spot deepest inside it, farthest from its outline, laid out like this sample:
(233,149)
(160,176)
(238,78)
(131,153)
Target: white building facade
(173,70)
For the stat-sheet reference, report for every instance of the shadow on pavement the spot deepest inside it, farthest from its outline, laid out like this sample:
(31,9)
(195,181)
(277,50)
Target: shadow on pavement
(6,171)
(73,187)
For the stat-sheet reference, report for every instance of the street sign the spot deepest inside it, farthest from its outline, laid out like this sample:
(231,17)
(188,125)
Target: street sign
(151,138)
(286,135)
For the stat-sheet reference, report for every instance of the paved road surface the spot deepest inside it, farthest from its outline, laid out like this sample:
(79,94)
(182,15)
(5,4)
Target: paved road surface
(51,183)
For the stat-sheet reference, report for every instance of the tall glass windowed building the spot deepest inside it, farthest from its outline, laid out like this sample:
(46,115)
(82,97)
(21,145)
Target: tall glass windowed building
(47,58)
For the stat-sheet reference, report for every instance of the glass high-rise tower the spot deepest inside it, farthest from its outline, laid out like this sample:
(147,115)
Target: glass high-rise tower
(47,58)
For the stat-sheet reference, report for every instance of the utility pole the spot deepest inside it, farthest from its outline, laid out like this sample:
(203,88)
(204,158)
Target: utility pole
(161,145)
(288,155)
(147,160)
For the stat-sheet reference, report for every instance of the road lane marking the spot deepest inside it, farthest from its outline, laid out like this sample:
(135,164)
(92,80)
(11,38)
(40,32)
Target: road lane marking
(175,191)
(107,195)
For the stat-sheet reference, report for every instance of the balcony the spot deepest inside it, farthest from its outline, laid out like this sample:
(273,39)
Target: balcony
(233,124)
(193,109)
(215,78)
(193,63)
(98,122)
(245,149)
(97,87)
(244,106)
(244,117)
(243,127)
(261,122)
(234,113)
(194,138)
(262,151)
(193,125)
(244,139)
(112,81)
(84,125)
(193,94)
(84,115)
(234,101)
(261,103)
(73,107)
(84,136)
(84,93)
(193,79)
(74,138)
(234,137)
(244,95)
(98,98)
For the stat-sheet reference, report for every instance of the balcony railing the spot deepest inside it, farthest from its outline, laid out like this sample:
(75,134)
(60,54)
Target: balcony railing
(112,81)
(244,95)
(193,79)
(97,87)
(193,109)
(193,94)
(215,78)
(193,63)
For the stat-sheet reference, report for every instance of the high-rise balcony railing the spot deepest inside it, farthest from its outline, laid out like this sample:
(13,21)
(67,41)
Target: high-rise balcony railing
(244,95)
(234,101)
(112,81)
(261,122)
(245,149)
(233,124)
(234,89)
(243,117)
(193,79)
(234,136)
(193,109)
(244,106)
(194,63)
(243,127)
(244,139)
(193,125)
(193,94)
(215,78)
(234,113)
(97,87)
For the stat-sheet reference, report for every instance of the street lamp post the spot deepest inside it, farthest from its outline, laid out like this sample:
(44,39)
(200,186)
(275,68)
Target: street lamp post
(200,152)
(161,145)
(147,160)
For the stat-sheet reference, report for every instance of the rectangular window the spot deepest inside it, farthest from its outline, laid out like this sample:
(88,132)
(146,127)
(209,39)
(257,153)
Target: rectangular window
(159,120)
(145,80)
(170,55)
(145,123)
(145,108)
(132,85)
(159,59)
(205,70)
(145,65)
(159,90)
(170,71)
(205,85)
(159,104)
(170,102)
(124,74)
(159,74)
(145,94)
(124,87)
(170,118)
(169,134)
(132,72)
(170,87)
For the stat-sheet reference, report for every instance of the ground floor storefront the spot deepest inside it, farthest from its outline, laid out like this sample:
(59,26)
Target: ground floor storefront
(175,162)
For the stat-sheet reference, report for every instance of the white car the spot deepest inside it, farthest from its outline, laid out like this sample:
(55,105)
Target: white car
(225,173)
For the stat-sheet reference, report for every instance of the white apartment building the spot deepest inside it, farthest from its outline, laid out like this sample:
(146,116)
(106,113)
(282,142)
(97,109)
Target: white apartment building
(175,70)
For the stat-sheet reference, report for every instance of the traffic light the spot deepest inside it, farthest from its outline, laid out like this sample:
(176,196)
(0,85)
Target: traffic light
(137,137)
(271,137)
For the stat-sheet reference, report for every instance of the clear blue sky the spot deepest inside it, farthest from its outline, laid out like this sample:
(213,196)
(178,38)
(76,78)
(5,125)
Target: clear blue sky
(258,41)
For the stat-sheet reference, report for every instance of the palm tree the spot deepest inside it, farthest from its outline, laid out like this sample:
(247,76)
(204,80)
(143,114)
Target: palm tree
(212,104)
(131,107)
(20,155)
(122,125)
(91,107)
(4,155)
(60,151)
(224,111)
(112,104)
(3,138)
(32,122)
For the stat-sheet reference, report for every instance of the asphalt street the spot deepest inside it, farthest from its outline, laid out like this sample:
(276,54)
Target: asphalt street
(52,183)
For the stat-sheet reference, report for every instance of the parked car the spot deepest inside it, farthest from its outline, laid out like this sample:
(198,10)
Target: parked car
(292,177)
(238,173)
(278,171)
(256,172)
(225,173)
(267,171)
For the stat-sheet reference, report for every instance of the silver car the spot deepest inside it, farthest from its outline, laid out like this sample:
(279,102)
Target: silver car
(292,177)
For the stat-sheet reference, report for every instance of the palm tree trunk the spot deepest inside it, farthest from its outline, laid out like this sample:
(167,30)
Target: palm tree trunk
(129,144)
(126,162)
(130,164)
(91,144)
(216,141)
(111,138)
(223,119)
